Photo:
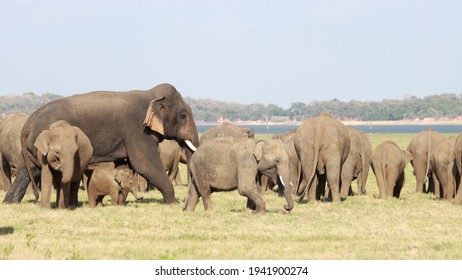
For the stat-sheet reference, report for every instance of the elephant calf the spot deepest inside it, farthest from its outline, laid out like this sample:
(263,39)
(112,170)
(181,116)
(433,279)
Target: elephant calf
(226,164)
(114,182)
(388,162)
(64,152)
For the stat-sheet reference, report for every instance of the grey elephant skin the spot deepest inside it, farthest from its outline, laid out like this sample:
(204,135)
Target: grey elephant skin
(357,165)
(10,146)
(421,148)
(227,164)
(444,169)
(171,154)
(115,182)
(64,152)
(388,162)
(322,144)
(458,162)
(120,125)
(226,130)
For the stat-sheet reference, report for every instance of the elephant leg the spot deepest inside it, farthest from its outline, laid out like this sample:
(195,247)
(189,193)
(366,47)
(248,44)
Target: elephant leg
(347,178)
(63,193)
(420,167)
(439,192)
(254,198)
(333,169)
(312,189)
(151,167)
(46,184)
(192,198)
(399,185)
(74,194)
(5,173)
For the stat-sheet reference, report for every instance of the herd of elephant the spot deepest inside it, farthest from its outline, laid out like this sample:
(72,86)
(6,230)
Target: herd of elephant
(107,139)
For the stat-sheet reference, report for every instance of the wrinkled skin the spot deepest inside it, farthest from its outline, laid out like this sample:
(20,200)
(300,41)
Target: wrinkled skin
(388,162)
(444,169)
(113,182)
(227,164)
(421,148)
(120,125)
(357,165)
(458,162)
(226,130)
(64,152)
(322,144)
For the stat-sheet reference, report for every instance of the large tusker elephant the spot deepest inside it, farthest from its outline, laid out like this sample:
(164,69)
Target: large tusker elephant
(421,148)
(388,162)
(322,144)
(120,125)
(357,164)
(444,169)
(226,130)
(65,152)
(226,164)
(458,162)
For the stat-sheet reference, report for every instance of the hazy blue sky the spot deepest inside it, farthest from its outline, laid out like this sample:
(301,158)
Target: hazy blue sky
(245,51)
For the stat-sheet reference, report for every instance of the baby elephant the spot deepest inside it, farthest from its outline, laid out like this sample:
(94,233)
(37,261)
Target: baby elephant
(226,164)
(64,152)
(114,182)
(388,162)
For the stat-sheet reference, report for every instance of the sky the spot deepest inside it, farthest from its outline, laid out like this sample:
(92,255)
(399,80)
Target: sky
(253,51)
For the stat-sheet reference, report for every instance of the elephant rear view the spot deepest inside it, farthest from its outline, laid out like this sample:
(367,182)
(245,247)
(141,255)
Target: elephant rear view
(227,130)
(322,144)
(421,148)
(458,162)
(388,162)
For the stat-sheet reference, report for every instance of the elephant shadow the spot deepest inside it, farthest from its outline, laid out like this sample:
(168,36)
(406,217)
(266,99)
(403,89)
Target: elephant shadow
(6,230)
(146,201)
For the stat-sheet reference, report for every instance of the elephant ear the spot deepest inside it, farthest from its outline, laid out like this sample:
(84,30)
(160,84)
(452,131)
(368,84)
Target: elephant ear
(42,142)
(258,150)
(85,147)
(155,115)
(119,176)
(407,157)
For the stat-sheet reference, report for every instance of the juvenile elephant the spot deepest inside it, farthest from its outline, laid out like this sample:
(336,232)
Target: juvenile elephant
(421,148)
(65,152)
(227,164)
(171,154)
(357,165)
(444,169)
(322,144)
(116,183)
(388,162)
(226,130)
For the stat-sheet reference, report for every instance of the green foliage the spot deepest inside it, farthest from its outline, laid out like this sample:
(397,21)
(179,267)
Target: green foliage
(446,105)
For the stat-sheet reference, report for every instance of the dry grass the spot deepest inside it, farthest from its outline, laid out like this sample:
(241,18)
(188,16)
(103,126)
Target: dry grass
(417,226)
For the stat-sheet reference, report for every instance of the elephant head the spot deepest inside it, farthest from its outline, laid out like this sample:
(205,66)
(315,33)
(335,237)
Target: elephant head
(273,161)
(64,149)
(125,178)
(171,118)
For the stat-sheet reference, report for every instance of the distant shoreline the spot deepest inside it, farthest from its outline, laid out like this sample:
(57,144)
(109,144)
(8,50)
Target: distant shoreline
(457,121)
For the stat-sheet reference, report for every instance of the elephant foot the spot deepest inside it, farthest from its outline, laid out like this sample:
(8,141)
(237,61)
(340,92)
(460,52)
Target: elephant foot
(259,212)
(171,200)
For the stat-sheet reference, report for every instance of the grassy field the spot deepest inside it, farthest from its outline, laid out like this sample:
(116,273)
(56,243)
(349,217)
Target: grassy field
(417,226)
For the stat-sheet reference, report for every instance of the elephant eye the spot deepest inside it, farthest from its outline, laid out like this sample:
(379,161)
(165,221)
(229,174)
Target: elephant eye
(183,116)
(278,161)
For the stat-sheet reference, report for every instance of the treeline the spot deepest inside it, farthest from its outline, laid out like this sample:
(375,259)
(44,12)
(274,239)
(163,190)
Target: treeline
(442,106)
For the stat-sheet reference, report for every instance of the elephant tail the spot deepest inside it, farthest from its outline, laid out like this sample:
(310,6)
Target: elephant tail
(364,165)
(429,153)
(382,181)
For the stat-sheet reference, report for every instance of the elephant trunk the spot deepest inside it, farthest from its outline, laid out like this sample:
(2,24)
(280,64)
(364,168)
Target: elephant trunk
(284,182)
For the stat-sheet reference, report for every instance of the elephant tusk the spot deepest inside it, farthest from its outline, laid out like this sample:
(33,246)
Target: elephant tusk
(282,181)
(190,145)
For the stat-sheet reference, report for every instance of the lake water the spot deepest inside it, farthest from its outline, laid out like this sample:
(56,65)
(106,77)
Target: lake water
(375,129)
